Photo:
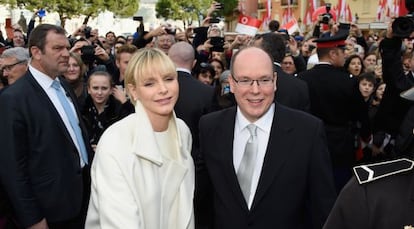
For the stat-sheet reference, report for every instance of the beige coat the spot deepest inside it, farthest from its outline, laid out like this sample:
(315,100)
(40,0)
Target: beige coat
(134,185)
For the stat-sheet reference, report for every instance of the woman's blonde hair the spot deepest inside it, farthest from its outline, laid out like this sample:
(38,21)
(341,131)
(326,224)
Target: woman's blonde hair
(144,63)
(79,61)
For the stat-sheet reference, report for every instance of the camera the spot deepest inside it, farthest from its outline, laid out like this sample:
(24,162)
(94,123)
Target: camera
(326,17)
(311,48)
(138,18)
(403,26)
(170,30)
(87,32)
(88,54)
(217,43)
(214,20)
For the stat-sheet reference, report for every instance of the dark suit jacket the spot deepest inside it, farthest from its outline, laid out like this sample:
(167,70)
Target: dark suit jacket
(291,91)
(336,99)
(195,100)
(296,184)
(381,204)
(39,163)
(393,108)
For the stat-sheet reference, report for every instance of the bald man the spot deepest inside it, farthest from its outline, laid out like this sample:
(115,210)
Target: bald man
(287,182)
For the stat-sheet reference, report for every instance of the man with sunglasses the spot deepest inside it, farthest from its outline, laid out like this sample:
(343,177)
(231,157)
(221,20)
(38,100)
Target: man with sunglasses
(268,165)
(14,63)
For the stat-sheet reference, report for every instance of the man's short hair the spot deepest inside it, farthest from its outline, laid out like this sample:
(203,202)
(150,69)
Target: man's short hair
(127,48)
(274,25)
(275,45)
(20,53)
(109,33)
(38,35)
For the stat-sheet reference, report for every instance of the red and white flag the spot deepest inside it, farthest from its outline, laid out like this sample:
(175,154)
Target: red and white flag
(268,15)
(248,25)
(286,16)
(268,9)
(341,8)
(309,11)
(348,14)
(381,10)
(292,26)
(396,8)
(393,8)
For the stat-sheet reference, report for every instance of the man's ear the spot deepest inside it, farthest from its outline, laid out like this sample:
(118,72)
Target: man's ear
(36,52)
(231,82)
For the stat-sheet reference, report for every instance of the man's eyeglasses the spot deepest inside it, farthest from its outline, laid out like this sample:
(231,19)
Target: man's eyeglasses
(10,66)
(266,82)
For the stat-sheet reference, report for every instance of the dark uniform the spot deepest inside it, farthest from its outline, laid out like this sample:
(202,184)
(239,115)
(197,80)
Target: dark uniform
(335,98)
(379,196)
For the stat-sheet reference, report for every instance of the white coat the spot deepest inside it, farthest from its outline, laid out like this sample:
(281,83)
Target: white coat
(134,185)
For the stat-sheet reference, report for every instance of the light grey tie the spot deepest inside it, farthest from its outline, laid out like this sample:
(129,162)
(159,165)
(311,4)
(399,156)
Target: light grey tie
(246,168)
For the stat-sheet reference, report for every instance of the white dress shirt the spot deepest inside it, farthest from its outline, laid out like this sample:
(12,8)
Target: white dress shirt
(242,134)
(178,69)
(46,84)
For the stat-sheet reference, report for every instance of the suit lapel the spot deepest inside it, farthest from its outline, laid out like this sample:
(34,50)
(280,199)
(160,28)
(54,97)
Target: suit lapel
(225,134)
(278,148)
(74,99)
(47,105)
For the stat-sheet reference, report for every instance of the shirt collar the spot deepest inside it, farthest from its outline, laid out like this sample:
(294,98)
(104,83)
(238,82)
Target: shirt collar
(323,62)
(276,63)
(178,69)
(44,80)
(262,123)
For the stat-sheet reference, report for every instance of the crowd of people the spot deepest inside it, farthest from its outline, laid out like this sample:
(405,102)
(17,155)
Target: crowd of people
(199,128)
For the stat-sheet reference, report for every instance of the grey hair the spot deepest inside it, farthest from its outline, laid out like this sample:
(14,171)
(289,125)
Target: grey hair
(21,54)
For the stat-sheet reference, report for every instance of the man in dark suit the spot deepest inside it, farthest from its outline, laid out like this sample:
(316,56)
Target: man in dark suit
(289,182)
(291,91)
(195,99)
(380,196)
(44,159)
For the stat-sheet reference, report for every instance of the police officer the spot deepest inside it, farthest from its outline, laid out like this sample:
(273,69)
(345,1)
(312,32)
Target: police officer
(380,196)
(335,99)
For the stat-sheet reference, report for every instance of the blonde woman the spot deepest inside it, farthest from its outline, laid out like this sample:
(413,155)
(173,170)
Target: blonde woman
(143,173)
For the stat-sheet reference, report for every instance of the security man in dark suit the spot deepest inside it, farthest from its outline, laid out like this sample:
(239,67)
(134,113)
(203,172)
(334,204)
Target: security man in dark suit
(44,160)
(380,196)
(336,100)
(195,100)
(393,108)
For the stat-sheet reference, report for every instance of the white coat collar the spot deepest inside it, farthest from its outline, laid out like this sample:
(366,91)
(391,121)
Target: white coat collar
(145,144)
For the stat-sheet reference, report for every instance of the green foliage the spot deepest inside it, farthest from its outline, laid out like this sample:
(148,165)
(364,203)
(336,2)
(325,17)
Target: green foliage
(68,9)
(121,8)
(164,9)
(229,7)
(188,10)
